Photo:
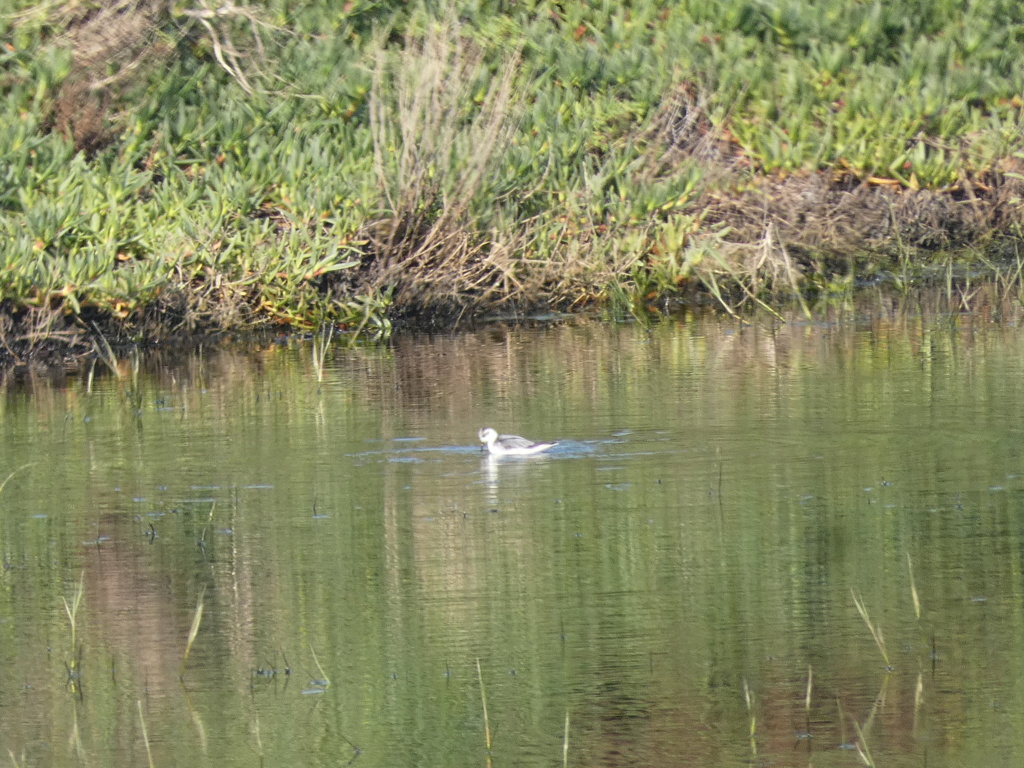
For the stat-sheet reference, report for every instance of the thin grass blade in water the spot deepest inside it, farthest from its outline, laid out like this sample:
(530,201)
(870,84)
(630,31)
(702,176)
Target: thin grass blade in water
(321,342)
(913,588)
(105,352)
(13,473)
(748,697)
(483,699)
(145,733)
(876,632)
(197,619)
(807,697)
(323,675)
(862,747)
(565,742)
(71,609)
(810,685)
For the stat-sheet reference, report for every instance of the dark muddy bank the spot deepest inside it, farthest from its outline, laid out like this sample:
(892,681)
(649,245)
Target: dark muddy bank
(960,294)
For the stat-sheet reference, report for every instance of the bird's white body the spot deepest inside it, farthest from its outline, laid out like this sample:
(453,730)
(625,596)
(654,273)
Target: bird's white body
(510,445)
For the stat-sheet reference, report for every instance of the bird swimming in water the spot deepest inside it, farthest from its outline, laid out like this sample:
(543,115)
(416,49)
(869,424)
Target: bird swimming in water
(510,445)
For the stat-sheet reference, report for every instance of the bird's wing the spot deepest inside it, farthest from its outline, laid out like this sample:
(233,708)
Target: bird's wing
(515,441)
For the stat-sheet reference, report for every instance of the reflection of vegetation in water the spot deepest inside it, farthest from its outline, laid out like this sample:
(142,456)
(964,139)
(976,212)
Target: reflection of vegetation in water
(12,473)
(145,733)
(71,611)
(876,632)
(301,166)
(193,631)
(621,585)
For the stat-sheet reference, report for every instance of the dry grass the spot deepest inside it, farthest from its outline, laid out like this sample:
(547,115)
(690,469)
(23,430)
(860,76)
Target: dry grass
(820,213)
(110,43)
(38,333)
(433,157)
(114,44)
(681,132)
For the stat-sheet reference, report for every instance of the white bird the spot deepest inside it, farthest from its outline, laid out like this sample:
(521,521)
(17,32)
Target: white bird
(510,445)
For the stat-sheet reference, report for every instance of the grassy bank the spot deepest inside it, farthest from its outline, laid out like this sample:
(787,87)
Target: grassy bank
(186,167)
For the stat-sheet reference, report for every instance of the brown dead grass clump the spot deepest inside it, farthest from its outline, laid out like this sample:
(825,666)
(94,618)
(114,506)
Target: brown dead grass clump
(110,42)
(681,132)
(433,161)
(815,213)
(83,115)
(117,43)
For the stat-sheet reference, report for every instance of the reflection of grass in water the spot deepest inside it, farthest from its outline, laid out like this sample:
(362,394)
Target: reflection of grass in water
(323,675)
(483,699)
(807,697)
(145,733)
(565,742)
(71,609)
(748,697)
(321,343)
(13,473)
(193,631)
(206,528)
(913,588)
(104,353)
(862,747)
(709,468)
(876,632)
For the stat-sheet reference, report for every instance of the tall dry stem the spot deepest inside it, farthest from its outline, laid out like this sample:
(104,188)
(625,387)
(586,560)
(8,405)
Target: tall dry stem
(435,148)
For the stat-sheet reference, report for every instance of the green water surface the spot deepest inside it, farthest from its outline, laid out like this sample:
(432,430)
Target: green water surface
(675,584)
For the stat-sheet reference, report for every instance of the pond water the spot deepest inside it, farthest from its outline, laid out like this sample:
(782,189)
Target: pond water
(676,583)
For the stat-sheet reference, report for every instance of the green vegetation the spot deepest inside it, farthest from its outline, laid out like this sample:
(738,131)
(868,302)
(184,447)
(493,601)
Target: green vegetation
(173,168)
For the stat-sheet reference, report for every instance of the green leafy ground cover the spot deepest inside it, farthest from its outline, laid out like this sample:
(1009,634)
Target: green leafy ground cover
(169,168)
